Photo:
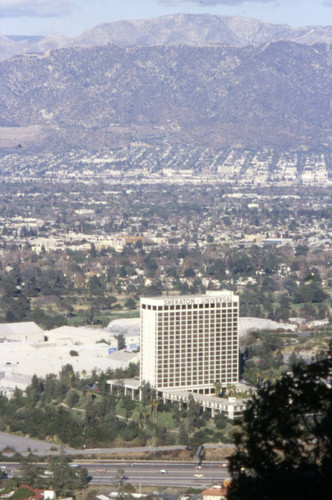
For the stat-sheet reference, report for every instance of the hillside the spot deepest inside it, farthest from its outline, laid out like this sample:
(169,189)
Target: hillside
(273,95)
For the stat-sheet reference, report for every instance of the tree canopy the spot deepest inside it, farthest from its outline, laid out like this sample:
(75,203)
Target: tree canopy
(284,448)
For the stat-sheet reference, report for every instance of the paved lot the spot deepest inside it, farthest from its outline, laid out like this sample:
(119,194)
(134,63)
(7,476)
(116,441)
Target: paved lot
(25,445)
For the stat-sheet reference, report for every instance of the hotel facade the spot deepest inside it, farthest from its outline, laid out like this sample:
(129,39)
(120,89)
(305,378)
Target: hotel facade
(190,342)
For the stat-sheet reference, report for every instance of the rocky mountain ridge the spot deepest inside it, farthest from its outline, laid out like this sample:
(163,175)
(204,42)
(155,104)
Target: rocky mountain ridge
(189,29)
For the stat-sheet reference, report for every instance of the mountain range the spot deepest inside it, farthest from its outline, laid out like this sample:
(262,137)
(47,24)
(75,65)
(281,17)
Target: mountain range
(188,29)
(176,80)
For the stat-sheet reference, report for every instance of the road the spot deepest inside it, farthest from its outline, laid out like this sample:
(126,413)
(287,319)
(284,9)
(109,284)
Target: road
(178,474)
(181,474)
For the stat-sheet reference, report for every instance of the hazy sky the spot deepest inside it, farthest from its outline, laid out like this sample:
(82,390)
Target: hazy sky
(72,17)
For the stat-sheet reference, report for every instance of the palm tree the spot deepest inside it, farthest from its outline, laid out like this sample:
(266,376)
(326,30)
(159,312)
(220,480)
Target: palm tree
(231,390)
(217,387)
(154,406)
(145,414)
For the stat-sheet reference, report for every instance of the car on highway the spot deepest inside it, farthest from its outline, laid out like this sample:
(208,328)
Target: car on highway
(162,471)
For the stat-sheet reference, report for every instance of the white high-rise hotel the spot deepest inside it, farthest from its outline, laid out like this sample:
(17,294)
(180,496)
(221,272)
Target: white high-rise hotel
(190,342)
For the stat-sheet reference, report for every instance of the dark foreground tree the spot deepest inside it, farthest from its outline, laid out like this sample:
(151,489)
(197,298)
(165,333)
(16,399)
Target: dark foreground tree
(284,448)
(66,479)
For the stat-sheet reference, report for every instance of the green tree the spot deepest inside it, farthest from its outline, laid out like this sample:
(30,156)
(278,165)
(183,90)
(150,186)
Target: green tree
(67,375)
(130,303)
(34,390)
(72,399)
(194,411)
(128,404)
(310,293)
(301,250)
(217,388)
(121,341)
(278,360)
(154,409)
(147,393)
(82,477)
(183,437)
(64,479)
(294,360)
(284,449)
(220,421)
(150,266)
(31,472)
(93,251)
(96,287)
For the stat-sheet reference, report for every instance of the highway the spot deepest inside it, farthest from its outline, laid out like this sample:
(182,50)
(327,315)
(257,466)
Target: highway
(181,474)
(177,474)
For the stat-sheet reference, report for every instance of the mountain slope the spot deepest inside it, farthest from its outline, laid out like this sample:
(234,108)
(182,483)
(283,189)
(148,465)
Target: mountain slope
(277,94)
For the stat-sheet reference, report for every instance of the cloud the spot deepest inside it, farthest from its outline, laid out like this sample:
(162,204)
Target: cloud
(215,2)
(34,8)
(327,3)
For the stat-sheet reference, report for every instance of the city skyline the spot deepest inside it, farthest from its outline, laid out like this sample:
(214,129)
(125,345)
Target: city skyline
(72,17)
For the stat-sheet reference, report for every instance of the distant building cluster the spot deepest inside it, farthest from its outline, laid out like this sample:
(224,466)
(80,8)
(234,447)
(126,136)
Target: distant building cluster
(179,164)
(27,350)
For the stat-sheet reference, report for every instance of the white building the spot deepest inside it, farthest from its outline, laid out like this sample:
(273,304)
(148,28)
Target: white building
(25,350)
(25,331)
(190,342)
(129,328)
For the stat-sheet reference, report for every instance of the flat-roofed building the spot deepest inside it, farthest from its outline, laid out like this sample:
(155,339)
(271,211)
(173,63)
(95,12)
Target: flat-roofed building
(190,342)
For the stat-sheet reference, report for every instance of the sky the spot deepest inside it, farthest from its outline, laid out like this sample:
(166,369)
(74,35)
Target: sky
(73,17)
